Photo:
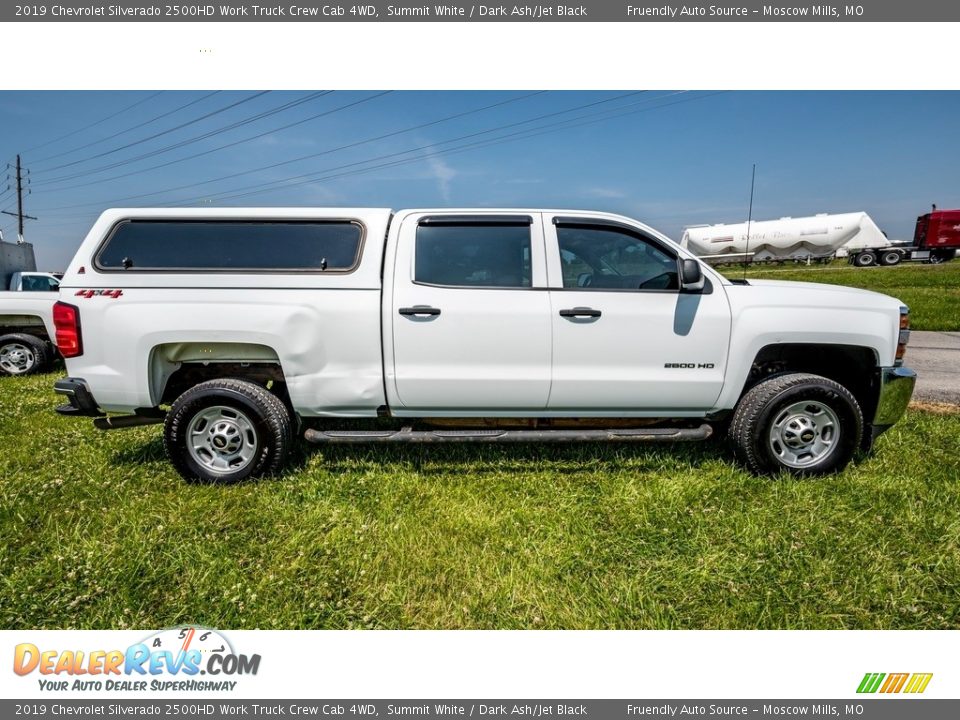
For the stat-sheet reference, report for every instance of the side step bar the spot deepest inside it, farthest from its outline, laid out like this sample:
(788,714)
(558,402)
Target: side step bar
(408,435)
(121,422)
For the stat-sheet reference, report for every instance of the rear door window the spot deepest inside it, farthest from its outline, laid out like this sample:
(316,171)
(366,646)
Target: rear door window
(473,254)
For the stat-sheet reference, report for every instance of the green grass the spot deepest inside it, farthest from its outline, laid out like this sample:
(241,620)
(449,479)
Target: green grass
(97,531)
(931,291)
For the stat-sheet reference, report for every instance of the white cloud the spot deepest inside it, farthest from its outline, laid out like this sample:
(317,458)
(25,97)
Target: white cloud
(442,173)
(606,192)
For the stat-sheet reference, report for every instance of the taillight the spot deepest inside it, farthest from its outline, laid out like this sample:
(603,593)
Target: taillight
(904,337)
(66,320)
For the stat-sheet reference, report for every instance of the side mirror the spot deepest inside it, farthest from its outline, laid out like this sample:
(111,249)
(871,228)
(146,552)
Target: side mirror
(691,276)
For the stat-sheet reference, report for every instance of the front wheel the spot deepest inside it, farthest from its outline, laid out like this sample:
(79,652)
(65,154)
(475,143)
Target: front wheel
(226,431)
(799,423)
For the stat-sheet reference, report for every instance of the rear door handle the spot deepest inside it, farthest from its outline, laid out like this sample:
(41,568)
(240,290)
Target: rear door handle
(580,312)
(420,310)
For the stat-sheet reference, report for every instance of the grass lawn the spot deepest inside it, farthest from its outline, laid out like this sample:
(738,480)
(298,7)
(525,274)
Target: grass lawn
(97,531)
(931,291)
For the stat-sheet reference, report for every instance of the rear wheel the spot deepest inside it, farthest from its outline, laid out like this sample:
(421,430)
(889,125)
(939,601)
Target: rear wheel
(890,257)
(227,431)
(22,354)
(865,259)
(799,423)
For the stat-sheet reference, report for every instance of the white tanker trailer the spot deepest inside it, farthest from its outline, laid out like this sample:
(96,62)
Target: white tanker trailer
(807,238)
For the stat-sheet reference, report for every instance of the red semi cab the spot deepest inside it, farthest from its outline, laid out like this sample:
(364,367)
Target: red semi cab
(938,231)
(935,240)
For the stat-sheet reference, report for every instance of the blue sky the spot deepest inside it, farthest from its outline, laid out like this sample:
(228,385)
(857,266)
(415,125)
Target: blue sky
(669,158)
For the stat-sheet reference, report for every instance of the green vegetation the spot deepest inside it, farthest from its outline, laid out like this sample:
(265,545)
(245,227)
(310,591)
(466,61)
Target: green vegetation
(97,531)
(931,291)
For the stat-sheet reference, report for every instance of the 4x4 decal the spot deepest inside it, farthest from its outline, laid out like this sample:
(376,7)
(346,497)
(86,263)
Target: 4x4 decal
(99,293)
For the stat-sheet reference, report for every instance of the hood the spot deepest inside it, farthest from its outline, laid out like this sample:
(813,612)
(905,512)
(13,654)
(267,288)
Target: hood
(802,287)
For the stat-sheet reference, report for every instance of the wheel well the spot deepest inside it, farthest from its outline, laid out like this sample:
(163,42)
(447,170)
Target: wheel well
(177,367)
(37,332)
(853,366)
(189,374)
(24,325)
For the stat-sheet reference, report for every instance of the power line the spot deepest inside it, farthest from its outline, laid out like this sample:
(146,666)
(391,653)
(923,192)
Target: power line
(527,133)
(312,155)
(189,141)
(354,144)
(81,220)
(512,137)
(155,135)
(227,145)
(128,130)
(306,176)
(387,135)
(114,114)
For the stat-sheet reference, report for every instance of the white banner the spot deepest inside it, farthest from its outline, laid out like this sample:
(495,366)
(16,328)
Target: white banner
(444,664)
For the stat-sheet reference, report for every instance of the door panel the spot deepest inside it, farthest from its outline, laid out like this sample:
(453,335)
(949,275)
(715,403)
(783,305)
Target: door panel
(639,350)
(619,360)
(482,348)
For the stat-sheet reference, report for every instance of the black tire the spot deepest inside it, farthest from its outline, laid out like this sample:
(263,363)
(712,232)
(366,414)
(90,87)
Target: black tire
(260,420)
(22,354)
(768,406)
(865,259)
(890,257)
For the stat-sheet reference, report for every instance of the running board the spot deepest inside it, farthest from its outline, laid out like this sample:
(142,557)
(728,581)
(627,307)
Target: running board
(121,422)
(408,435)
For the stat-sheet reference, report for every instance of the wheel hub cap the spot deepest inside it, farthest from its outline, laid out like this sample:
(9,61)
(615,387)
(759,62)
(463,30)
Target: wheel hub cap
(222,439)
(804,433)
(16,358)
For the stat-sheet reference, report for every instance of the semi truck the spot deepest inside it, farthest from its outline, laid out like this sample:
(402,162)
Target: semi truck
(241,330)
(936,239)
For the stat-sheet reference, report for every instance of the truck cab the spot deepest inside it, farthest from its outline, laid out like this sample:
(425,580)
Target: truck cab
(938,233)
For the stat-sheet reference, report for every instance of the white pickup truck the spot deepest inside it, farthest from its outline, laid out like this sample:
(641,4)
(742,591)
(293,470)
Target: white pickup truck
(26,323)
(256,326)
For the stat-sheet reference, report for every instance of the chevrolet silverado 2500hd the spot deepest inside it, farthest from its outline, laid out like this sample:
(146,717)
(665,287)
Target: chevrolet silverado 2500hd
(240,329)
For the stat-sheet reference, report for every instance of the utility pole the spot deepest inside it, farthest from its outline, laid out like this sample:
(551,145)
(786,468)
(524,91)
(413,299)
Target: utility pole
(19,213)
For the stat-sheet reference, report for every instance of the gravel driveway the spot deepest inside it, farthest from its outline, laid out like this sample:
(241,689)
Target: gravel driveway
(936,358)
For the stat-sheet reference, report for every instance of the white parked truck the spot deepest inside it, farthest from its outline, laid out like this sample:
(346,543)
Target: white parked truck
(817,237)
(242,329)
(26,323)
